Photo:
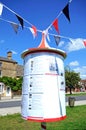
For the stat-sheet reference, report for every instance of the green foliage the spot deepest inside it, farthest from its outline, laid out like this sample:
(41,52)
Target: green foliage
(72,78)
(15,84)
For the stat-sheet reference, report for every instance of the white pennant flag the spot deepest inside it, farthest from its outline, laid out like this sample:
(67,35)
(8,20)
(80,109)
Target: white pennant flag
(1,8)
(76,44)
(33,30)
(46,34)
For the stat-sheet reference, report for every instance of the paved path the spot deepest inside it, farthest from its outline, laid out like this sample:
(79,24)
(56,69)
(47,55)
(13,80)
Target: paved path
(12,110)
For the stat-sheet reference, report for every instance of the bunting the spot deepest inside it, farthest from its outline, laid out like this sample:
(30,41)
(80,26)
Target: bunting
(47,34)
(48,37)
(84,43)
(77,44)
(55,24)
(15,27)
(33,30)
(57,39)
(20,20)
(1,9)
(66,12)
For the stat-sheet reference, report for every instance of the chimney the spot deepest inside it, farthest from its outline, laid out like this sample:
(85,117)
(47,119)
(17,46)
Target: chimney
(9,55)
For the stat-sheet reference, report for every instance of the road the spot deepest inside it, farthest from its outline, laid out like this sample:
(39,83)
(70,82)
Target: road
(7,104)
(77,98)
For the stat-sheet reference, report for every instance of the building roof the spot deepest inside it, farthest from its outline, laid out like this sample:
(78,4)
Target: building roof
(7,60)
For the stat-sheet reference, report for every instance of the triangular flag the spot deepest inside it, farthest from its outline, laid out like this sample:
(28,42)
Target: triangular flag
(47,35)
(84,43)
(33,30)
(15,27)
(1,8)
(20,20)
(77,44)
(66,12)
(55,24)
(57,39)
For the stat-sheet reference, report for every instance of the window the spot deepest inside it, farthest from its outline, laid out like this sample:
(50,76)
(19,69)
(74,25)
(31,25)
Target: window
(0,88)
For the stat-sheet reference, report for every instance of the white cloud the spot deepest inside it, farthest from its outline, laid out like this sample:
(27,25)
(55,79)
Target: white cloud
(82,71)
(61,43)
(75,44)
(74,63)
(14,52)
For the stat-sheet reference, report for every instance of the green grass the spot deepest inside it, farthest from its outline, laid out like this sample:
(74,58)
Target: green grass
(77,94)
(76,120)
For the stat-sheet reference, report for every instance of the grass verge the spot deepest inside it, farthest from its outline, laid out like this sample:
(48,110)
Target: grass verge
(77,94)
(76,120)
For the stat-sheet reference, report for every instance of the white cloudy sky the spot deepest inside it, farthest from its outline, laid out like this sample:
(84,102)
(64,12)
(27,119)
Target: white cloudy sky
(78,68)
(76,55)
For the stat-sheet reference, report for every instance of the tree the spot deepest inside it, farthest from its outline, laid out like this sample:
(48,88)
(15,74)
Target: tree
(72,79)
(15,84)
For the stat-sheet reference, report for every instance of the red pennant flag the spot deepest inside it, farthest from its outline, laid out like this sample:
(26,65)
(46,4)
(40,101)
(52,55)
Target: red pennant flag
(55,24)
(84,43)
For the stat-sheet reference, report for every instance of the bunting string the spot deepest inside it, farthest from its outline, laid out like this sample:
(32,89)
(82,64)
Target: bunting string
(17,14)
(53,21)
(33,29)
(21,19)
(54,35)
(62,11)
(37,29)
(18,24)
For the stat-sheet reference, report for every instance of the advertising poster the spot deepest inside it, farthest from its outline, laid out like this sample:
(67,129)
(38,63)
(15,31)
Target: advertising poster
(43,89)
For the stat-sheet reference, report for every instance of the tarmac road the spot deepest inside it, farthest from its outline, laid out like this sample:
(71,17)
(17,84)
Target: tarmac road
(17,103)
(12,106)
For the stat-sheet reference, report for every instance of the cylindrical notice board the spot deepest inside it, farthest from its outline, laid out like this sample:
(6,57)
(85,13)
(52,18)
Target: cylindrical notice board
(43,88)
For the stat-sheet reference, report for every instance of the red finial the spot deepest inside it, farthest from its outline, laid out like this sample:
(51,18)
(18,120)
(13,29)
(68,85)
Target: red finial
(43,43)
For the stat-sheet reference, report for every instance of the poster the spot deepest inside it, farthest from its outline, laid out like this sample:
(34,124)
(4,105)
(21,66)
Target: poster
(43,89)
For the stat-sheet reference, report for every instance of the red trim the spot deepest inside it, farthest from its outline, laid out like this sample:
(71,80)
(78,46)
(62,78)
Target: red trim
(49,50)
(40,119)
(43,42)
(51,74)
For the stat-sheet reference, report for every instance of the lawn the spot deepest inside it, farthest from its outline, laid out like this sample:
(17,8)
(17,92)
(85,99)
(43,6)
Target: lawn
(77,94)
(76,120)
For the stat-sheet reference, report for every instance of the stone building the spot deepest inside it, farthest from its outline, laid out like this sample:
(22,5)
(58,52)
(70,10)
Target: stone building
(9,67)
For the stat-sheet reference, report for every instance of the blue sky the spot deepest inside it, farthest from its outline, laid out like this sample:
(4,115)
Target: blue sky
(41,14)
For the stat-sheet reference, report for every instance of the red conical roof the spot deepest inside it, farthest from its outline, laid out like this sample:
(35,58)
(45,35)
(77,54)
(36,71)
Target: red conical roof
(43,47)
(43,43)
